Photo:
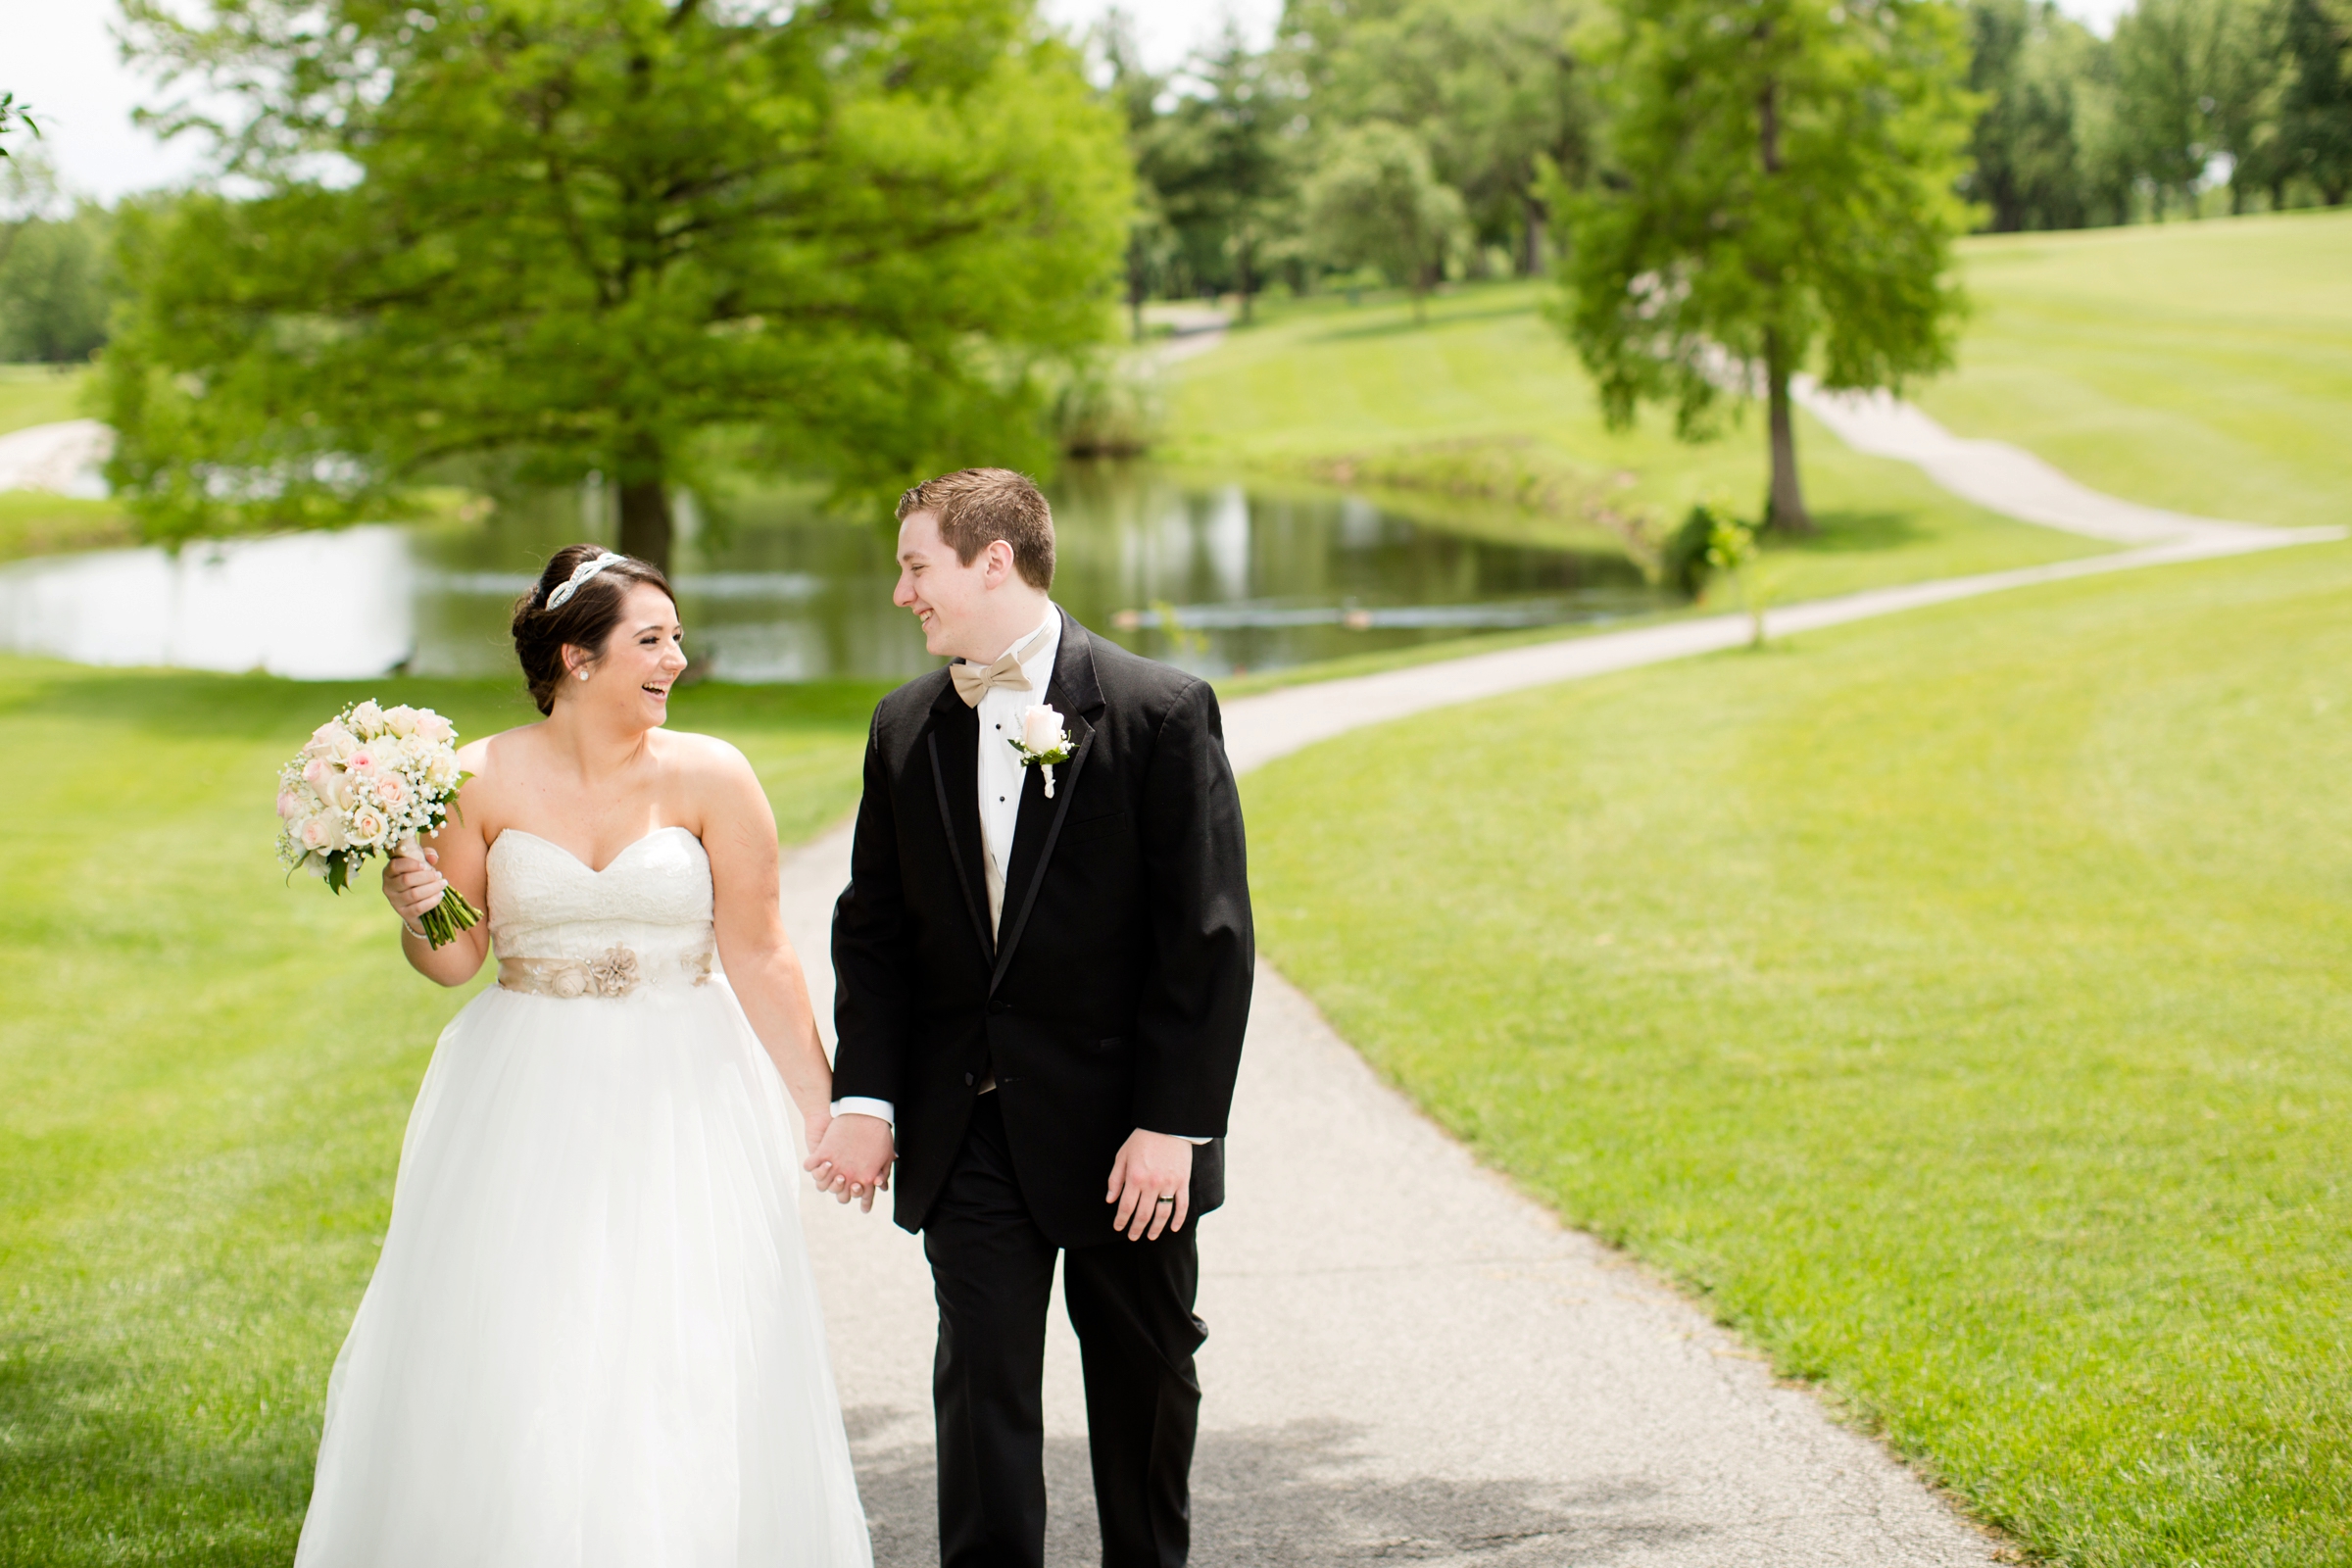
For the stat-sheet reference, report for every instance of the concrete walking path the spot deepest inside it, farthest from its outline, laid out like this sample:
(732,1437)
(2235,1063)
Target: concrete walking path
(64,457)
(1994,475)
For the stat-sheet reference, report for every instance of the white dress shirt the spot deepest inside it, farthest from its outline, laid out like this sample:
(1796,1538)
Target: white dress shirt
(1001,777)
(1002,771)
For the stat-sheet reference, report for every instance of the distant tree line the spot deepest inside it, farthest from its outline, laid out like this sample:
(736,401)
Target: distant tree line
(1412,140)
(1406,141)
(2078,131)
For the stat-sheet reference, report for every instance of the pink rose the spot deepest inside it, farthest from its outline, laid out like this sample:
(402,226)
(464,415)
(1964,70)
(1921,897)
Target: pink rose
(392,790)
(432,729)
(289,805)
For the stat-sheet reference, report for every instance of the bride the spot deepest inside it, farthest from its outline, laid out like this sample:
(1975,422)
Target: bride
(593,1337)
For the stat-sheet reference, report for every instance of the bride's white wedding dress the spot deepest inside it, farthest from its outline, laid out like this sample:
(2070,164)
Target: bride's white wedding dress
(592,1338)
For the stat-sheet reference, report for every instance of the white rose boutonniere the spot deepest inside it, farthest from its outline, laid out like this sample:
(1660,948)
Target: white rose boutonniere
(1045,741)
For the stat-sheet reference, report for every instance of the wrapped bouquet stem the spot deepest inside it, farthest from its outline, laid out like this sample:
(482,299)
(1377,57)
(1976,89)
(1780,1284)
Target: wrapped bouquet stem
(374,781)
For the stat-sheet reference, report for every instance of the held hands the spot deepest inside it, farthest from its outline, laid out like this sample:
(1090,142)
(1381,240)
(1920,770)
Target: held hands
(413,887)
(1152,1182)
(852,1158)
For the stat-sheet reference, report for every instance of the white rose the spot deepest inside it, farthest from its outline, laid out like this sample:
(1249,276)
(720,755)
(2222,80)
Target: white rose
(401,719)
(368,826)
(441,769)
(1042,731)
(391,790)
(331,741)
(433,729)
(368,718)
(323,833)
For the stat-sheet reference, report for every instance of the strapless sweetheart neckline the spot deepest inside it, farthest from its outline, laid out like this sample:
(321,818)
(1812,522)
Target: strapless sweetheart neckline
(594,870)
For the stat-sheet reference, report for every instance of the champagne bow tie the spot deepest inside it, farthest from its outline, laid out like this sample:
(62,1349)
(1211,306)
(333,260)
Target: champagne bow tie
(972,682)
(975,681)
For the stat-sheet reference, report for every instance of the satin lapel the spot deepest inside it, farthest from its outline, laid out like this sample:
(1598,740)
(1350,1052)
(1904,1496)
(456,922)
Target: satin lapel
(1073,692)
(954,742)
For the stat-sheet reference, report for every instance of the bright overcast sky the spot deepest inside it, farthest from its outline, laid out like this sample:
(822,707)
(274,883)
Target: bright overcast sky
(56,55)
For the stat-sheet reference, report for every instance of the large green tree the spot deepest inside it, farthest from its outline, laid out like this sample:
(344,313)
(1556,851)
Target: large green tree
(1221,166)
(1776,189)
(1376,202)
(585,234)
(2195,82)
(2314,110)
(2037,158)
(1491,88)
(55,284)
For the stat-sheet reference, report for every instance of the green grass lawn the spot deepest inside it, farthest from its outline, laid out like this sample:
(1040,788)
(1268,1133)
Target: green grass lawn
(2202,366)
(40,394)
(1958,1002)
(204,1074)
(1321,380)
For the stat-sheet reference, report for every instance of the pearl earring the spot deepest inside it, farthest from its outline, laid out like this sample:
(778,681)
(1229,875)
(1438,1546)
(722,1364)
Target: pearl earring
(583,675)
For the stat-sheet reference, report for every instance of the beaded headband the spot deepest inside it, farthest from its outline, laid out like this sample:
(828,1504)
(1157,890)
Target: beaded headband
(580,574)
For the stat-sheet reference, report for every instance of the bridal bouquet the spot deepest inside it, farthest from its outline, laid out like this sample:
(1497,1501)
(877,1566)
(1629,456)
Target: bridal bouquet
(372,781)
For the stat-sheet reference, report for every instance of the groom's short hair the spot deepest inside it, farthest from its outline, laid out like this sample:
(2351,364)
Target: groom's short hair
(976,507)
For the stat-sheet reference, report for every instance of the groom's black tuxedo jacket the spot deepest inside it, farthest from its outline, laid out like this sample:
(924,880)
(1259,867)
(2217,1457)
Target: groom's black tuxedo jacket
(1115,995)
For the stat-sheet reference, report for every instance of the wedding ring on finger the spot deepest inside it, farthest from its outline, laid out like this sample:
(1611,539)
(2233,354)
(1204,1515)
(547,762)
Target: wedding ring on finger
(1169,1198)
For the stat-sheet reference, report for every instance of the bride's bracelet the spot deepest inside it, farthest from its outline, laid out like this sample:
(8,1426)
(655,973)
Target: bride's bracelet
(415,931)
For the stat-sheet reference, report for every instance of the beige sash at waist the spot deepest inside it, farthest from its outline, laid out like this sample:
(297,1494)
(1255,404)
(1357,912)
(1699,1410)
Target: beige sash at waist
(614,972)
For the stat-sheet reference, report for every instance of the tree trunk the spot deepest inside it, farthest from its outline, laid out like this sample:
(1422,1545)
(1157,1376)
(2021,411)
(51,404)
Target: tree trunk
(645,521)
(1136,283)
(1784,507)
(1531,256)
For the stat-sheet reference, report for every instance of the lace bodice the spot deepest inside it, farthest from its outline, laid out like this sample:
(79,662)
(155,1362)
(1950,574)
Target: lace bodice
(654,899)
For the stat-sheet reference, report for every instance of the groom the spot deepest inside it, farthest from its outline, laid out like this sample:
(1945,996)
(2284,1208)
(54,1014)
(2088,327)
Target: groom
(1046,994)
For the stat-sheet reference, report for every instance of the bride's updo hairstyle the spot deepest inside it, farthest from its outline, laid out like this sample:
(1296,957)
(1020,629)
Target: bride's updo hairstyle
(584,619)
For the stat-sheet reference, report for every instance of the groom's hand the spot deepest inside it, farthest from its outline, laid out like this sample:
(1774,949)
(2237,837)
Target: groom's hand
(1152,1182)
(853,1158)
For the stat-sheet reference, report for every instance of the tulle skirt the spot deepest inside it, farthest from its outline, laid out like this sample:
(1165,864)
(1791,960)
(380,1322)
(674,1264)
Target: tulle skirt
(593,1340)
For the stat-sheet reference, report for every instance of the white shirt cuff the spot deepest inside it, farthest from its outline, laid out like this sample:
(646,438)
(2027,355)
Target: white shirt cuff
(860,1105)
(1189,1139)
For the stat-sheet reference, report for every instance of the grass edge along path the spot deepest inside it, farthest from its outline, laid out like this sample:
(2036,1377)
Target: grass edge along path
(204,1077)
(1952,1002)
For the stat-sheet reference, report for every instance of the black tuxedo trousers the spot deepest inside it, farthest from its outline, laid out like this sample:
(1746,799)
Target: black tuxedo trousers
(1111,996)
(1131,1304)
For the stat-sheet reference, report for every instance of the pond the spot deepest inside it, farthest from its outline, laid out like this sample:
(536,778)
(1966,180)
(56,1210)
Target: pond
(1216,577)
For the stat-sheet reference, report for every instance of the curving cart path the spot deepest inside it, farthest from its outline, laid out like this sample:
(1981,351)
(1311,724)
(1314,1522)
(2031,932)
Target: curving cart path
(1407,1358)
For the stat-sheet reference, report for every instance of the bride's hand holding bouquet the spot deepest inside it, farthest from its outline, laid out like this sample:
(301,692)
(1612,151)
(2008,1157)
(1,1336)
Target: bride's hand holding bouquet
(372,781)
